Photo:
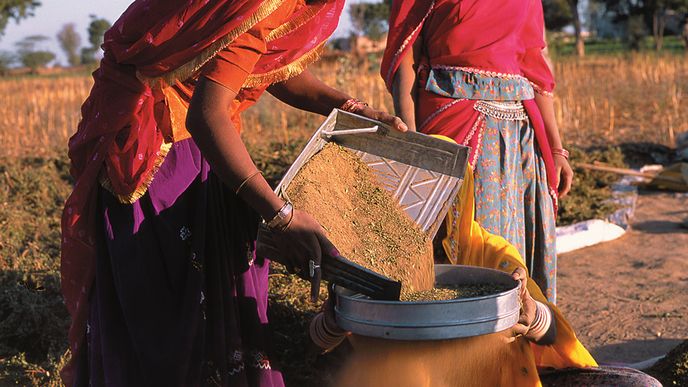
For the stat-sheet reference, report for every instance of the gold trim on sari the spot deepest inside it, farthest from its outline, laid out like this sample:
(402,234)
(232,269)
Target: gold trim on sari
(141,190)
(188,69)
(294,23)
(285,72)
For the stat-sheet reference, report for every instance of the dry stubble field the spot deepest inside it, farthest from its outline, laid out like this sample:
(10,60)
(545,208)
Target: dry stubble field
(600,101)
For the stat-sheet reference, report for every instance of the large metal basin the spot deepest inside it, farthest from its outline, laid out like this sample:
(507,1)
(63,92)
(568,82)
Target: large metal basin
(434,320)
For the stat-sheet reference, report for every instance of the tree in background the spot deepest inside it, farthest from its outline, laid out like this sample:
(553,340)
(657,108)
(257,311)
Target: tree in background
(96,31)
(561,13)
(70,41)
(577,27)
(557,14)
(370,19)
(31,56)
(635,31)
(6,61)
(659,9)
(630,13)
(15,10)
(641,15)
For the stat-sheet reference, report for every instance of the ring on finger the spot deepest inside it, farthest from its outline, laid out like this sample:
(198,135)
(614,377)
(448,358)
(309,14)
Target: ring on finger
(312,267)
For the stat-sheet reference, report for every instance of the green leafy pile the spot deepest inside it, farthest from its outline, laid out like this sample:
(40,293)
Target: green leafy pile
(33,319)
(591,191)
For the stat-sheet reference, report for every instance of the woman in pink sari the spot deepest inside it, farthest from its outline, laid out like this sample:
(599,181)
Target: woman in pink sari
(474,71)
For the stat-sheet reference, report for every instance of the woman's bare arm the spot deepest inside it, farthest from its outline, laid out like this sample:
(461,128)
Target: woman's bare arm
(546,105)
(214,133)
(564,172)
(404,86)
(306,92)
(302,239)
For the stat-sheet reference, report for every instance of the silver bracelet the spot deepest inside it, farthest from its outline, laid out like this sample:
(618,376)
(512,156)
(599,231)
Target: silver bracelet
(541,323)
(282,219)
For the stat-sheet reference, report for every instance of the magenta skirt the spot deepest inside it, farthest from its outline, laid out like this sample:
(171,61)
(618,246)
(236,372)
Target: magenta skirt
(179,298)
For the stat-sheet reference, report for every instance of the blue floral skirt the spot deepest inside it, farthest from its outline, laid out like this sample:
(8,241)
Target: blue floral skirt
(511,191)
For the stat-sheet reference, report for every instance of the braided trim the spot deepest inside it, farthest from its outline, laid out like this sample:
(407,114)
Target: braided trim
(541,91)
(285,72)
(503,111)
(147,181)
(406,42)
(187,70)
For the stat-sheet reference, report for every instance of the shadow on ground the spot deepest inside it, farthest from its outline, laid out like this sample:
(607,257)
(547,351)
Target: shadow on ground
(633,350)
(659,227)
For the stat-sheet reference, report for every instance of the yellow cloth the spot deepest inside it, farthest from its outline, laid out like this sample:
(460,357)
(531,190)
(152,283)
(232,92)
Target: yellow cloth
(467,243)
(489,360)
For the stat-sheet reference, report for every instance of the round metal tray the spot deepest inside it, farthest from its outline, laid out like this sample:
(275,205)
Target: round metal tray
(434,320)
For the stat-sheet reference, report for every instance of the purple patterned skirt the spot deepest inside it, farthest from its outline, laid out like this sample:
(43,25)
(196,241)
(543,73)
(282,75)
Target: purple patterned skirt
(179,298)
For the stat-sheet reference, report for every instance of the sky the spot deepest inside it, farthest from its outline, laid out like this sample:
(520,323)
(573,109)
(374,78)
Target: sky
(53,14)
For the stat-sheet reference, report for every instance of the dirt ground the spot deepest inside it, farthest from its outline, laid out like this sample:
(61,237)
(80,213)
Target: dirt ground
(628,299)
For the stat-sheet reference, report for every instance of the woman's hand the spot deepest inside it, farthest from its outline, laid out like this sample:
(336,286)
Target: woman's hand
(295,247)
(564,175)
(528,307)
(384,117)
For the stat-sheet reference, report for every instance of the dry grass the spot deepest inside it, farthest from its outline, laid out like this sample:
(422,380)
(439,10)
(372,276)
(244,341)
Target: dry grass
(37,115)
(599,100)
(622,99)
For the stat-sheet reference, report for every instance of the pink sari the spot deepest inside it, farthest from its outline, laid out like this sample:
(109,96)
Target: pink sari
(463,35)
(480,66)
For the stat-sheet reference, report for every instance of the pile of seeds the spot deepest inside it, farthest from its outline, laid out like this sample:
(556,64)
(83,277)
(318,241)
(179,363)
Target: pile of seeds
(672,369)
(362,219)
(452,292)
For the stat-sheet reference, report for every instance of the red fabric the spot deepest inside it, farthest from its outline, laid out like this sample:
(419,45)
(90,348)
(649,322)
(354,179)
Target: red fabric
(405,24)
(323,17)
(124,120)
(505,37)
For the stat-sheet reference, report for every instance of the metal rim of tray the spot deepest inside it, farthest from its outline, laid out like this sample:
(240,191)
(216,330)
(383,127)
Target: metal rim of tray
(434,320)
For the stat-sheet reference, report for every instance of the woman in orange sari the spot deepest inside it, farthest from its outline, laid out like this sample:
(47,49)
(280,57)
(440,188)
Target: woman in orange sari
(474,71)
(159,271)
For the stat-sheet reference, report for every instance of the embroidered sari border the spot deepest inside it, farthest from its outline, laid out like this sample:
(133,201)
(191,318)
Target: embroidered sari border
(295,23)
(143,187)
(186,70)
(405,43)
(286,72)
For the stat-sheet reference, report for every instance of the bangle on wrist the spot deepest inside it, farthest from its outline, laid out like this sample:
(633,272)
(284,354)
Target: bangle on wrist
(282,218)
(561,152)
(353,105)
(321,336)
(541,322)
(246,180)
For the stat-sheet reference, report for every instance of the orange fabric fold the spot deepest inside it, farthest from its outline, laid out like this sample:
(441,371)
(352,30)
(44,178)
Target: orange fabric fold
(469,244)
